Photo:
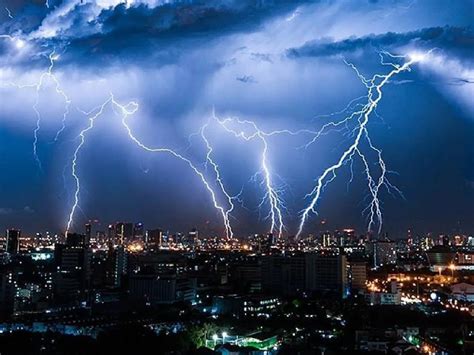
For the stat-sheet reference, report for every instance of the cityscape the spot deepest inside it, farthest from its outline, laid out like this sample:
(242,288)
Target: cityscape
(236,177)
(128,287)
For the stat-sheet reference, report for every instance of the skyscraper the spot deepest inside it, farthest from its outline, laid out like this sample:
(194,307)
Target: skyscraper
(13,241)
(123,232)
(88,233)
(154,238)
(138,230)
(326,273)
(384,252)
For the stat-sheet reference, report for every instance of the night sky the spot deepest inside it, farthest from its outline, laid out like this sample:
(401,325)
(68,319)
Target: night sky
(282,64)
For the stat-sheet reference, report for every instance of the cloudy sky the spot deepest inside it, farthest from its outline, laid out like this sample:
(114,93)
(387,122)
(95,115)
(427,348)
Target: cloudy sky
(284,65)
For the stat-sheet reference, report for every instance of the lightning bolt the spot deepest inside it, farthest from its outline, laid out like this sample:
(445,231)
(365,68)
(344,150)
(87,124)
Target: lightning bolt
(360,134)
(354,126)
(74,173)
(38,86)
(215,166)
(272,194)
(126,111)
(8,12)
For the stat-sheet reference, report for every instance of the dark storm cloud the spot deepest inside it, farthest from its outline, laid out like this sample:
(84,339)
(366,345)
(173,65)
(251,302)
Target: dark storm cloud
(457,39)
(140,31)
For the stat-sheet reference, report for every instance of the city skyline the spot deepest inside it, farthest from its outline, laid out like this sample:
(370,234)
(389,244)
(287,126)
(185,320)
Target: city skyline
(188,115)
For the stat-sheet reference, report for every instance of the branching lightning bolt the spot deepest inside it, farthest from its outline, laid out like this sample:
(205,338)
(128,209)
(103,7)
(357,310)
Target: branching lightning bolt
(354,125)
(215,167)
(9,14)
(74,173)
(272,194)
(38,86)
(360,134)
(126,111)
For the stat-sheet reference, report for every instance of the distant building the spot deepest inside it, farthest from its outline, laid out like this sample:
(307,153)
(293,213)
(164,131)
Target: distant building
(465,258)
(123,232)
(326,273)
(358,275)
(440,256)
(283,275)
(463,292)
(116,266)
(88,235)
(192,239)
(392,297)
(384,252)
(249,277)
(13,241)
(76,240)
(7,294)
(110,233)
(153,289)
(248,306)
(154,238)
(73,269)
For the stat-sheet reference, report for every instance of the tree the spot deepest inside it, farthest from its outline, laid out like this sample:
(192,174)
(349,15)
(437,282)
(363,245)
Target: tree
(199,333)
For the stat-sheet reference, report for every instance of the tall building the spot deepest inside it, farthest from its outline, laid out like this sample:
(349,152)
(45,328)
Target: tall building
(264,243)
(153,289)
(116,267)
(76,240)
(384,252)
(123,232)
(283,275)
(73,264)
(326,239)
(154,237)
(326,273)
(88,233)
(192,238)
(138,230)
(13,241)
(7,294)
(110,233)
(358,273)
(248,276)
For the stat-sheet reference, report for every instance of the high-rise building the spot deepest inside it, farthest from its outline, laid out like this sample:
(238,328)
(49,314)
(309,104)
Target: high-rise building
(76,240)
(73,268)
(384,252)
(326,239)
(116,266)
(192,238)
(110,232)
(358,273)
(13,241)
(326,273)
(284,275)
(123,232)
(248,276)
(138,230)
(153,289)
(154,237)
(7,294)
(88,233)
